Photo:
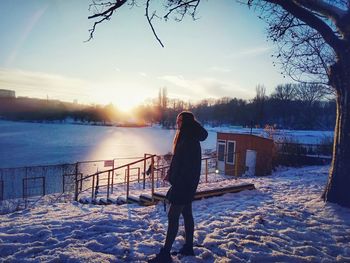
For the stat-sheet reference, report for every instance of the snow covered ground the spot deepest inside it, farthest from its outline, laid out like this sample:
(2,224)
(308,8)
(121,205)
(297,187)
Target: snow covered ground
(283,220)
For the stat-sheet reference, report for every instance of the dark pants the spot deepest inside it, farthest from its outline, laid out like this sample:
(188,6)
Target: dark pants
(173,224)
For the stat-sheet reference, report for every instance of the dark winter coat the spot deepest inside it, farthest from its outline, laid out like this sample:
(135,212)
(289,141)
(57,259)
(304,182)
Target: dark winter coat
(185,166)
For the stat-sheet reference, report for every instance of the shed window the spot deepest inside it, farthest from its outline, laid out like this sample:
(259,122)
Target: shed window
(221,151)
(231,147)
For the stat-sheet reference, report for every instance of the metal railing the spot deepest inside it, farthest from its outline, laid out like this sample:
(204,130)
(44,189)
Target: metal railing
(154,172)
(105,178)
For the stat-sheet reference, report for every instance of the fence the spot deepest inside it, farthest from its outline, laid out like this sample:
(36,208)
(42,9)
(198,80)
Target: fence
(296,154)
(1,190)
(304,149)
(26,182)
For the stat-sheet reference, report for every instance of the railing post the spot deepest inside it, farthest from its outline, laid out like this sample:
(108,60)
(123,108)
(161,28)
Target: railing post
(236,164)
(127,182)
(44,186)
(159,173)
(206,170)
(97,184)
(93,187)
(144,171)
(138,174)
(81,182)
(63,177)
(76,183)
(108,180)
(112,177)
(152,174)
(25,189)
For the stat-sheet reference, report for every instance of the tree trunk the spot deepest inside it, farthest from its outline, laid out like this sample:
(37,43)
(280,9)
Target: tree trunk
(338,186)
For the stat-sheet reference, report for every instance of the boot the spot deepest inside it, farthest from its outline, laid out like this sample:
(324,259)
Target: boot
(162,257)
(186,250)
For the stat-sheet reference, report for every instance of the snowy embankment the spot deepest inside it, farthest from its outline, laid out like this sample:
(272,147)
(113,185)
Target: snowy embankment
(284,220)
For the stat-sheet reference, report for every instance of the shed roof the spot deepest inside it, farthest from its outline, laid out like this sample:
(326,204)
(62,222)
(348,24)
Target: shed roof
(245,135)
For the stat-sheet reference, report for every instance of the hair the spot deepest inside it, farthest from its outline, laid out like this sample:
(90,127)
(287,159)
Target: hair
(187,120)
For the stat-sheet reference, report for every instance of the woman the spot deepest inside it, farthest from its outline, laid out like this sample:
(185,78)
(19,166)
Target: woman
(184,173)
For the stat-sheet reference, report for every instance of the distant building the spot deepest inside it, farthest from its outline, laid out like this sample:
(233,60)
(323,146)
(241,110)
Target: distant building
(6,93)
(239,154)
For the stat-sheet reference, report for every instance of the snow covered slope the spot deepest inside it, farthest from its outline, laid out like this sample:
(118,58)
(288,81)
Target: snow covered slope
(284,220)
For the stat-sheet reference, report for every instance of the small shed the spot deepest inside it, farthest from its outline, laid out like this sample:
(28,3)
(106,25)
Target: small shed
(239,154)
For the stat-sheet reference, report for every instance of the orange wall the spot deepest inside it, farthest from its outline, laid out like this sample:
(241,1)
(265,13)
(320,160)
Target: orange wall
(244,142)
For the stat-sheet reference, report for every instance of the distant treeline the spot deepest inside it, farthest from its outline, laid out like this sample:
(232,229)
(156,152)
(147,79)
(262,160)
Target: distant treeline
(290,106)
(31,109)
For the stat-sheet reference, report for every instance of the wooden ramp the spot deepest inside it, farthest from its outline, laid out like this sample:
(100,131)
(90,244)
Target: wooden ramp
(212,192)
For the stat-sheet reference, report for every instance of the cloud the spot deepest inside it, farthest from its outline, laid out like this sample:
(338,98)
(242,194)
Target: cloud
(177,80)
(250,52)
(201,88)
(220,69)
(143,74)
(40,85)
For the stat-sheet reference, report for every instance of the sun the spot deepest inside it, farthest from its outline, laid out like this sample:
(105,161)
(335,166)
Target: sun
(127,104)
(123,99)
(127,99)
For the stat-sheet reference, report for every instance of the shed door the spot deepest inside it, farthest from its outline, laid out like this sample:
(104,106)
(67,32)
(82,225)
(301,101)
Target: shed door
(221,155)
(250,162)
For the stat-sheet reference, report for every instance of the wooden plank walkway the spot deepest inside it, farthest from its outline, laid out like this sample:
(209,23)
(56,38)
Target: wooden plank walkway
(146,200)
(212,192)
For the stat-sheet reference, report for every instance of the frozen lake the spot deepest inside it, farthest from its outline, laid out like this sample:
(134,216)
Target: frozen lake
(28,144)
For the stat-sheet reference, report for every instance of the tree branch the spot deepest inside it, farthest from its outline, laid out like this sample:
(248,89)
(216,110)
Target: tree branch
(181,5)
(149,19)
(106,15)
(110,10)
(331,11)
(311,20)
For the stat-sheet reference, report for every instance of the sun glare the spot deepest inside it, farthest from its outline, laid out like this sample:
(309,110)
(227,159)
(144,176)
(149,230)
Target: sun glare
(126,105)
(125,101)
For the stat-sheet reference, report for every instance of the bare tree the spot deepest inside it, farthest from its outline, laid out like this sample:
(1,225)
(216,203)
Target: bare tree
(313,40)
(284,92)
(310,93)
(259,104)
(313,44)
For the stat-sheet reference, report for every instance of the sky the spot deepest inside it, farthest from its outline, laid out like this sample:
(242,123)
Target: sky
(43,53)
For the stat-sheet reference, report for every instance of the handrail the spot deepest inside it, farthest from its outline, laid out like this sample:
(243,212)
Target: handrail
(109,171)
(119,167)
(95,161)
(153,176)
